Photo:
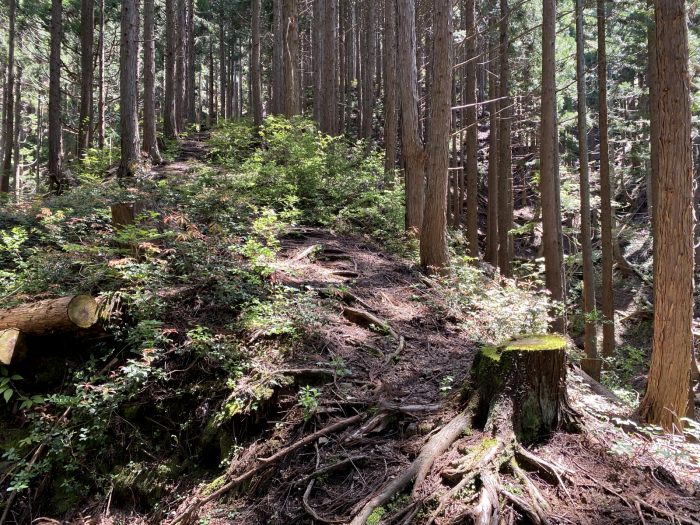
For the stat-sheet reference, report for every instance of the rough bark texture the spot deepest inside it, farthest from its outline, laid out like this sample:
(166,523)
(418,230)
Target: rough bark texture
(390,107)
(591,365)
(505,172)
(277,58)
(329,66)
(606,222)
(666,398)
(521,387)
(170,127)
(291,59)
(190,82)
(255,66)
(87,30)
(472,145)
(433,240)
(128,88)
(55,132)
(13,346)
(223,69)
(150,142)
(412,152)
(549,164)
(369,59)
(180,37)
(6,168)
(101,92)
(50,316)
(492,211)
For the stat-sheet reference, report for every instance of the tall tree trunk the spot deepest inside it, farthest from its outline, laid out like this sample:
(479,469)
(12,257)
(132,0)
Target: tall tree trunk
(211,111)
(55,131)
(369,60)
(317,43)
(412,152)
(342,65)
(223,68)
(277,58)
(128,88)
(39,144)
(433,241)
(591,364)
(180,63)
(16,164)
(87,35)
(505,175)
(666,398)
(493,196)
(10,101)
(329,65)
(390,107)
(170,126)
(606,213)
(150,142)
(292,106)
(549,167)
(472,144)
(190,83)
(255,66)
(101,96)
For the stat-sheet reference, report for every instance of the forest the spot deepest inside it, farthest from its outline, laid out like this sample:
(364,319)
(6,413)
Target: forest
(362,262)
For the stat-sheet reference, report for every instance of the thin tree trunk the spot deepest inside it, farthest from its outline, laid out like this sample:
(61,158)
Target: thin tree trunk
(549,172)
(10,101)
(505,175)
(329,66)
(492,210)
(277,58)
(369,60)
(666,398)
(291,59)
(211,111)
(170,125)
(255,66)
(472,144)
(16,164)
(390,107)
(223,69)
(128,88)
(39,140)
(180,63)
(433,241)
(87,35)
(412,151)
(55,131)
(317,43)
(591,365)
(150,142)
(101,102)
(606,214)
(190,83)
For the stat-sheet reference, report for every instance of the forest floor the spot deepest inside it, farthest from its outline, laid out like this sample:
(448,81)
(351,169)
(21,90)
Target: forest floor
(383,357)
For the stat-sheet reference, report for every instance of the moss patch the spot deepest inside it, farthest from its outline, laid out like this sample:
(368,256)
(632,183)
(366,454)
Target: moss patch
(535,342)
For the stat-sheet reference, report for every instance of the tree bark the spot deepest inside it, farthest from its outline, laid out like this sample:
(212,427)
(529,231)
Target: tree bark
(87,35)
(170,125)
(101,97)
(255,66)
(55,132)
(190,83)
(606,213)
(277,58)
(329,66)
(291,59)
(180,37)
(505,171)
(493,196)
(51,316)
(390,107)
(369,59)
(150,142)
(13,346)
(128,89)
(666,398)
(549,163)
(433,241)
(590,365)
(472,144)
(412,152)
(9,101)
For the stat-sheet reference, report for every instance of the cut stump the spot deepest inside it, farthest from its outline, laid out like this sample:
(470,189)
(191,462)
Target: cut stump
(13,346)
(51,316)
(521,387)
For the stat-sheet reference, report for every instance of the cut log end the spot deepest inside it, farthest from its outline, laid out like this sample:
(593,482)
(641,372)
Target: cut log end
(13,346)
(83,311)
(521,387)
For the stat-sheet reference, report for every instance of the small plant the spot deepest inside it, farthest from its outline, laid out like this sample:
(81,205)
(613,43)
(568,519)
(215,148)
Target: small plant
(6,388)
(308,400)
(446,385)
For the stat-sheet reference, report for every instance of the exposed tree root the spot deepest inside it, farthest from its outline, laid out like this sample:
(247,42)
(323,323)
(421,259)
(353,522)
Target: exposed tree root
(419,469)
(263,463)
(367,319)
(395,354)
(330,468)
(307,251)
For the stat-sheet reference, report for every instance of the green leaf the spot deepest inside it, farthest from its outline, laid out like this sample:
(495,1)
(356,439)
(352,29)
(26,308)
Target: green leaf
(7,394)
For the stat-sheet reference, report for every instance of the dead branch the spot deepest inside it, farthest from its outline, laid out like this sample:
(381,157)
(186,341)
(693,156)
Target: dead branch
(367,319)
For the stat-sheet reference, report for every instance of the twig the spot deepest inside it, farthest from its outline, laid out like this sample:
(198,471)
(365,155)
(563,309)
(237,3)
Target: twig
(397,352)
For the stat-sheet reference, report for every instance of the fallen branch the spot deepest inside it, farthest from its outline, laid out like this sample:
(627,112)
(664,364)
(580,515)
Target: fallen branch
(395,354)
(366,319)
(419,469)
(306,252)
(263,464)
(310,510)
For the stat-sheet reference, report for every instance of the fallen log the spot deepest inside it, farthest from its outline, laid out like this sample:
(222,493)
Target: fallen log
(13,346)
(51,316)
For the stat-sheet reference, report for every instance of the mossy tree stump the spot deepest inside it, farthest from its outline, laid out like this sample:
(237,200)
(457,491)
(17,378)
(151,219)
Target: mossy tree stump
(521,387)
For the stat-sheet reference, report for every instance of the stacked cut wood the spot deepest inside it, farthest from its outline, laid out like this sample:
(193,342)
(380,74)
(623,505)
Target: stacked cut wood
(43,318)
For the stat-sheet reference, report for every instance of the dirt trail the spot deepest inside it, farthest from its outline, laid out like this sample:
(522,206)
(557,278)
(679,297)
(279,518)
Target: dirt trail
(415,363)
